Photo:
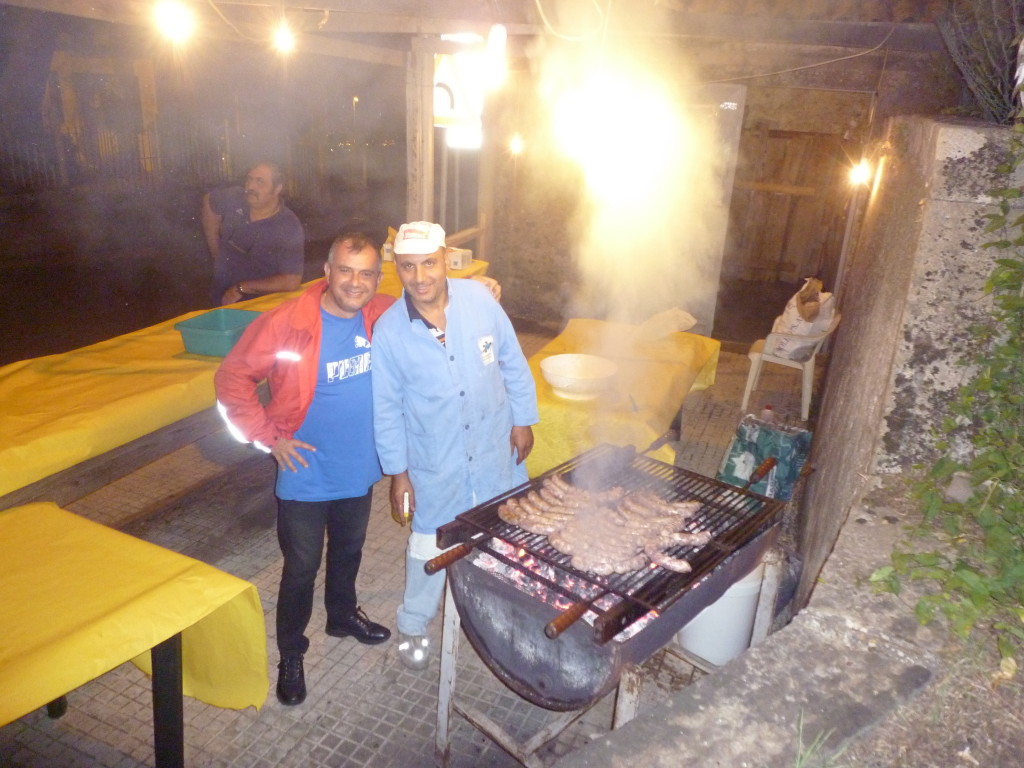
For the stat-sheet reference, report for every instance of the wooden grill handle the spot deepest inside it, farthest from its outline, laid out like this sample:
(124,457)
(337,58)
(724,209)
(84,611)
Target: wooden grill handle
(763,469)
(568,617)
(448,557)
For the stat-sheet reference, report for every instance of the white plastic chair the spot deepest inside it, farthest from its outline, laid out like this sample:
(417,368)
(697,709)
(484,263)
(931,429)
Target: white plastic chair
(762,351)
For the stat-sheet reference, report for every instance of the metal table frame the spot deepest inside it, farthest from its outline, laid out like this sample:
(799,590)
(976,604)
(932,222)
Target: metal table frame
(168,706)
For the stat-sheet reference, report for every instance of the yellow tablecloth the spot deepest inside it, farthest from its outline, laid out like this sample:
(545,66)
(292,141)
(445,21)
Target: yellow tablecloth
(60,410)
(652,381)
(78,598)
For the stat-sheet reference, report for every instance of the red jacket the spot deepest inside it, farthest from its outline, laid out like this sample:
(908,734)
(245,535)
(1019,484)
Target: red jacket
(283,347)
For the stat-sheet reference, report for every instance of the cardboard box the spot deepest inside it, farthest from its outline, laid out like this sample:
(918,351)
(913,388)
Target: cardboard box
(460,258)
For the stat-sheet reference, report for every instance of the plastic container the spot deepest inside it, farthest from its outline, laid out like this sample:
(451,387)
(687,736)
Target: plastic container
(722,631)
(214,333)
(768,415)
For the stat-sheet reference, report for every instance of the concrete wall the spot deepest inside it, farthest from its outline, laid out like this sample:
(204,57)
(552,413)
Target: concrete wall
(912,285)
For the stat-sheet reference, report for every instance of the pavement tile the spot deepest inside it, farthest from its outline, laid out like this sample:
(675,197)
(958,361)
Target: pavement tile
(364,708)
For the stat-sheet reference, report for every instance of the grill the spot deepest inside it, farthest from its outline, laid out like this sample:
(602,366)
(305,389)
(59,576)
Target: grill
(523,616)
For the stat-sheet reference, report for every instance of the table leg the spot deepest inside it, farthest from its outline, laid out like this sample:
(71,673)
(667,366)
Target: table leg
(57,707)
(168,708)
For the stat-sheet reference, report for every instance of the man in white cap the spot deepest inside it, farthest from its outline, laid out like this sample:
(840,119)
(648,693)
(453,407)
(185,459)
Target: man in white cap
(453,406)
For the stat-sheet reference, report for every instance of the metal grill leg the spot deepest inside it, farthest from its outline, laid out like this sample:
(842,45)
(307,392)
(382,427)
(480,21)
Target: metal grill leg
(627,699)
(446,687)
(446,704)
(765,612)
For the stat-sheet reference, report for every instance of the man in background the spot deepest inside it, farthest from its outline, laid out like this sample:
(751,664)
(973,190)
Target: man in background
(256,241)
(453,405)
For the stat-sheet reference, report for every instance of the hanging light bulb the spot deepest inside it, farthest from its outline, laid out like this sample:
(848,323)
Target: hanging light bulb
(860,173)
(284,38)
(174,20)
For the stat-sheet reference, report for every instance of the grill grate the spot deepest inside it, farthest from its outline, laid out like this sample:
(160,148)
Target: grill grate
(734,516)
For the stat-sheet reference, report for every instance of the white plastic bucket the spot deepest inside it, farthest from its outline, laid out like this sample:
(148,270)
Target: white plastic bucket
(722,631)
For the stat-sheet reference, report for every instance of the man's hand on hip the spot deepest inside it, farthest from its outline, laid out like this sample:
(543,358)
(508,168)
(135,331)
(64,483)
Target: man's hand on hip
(286,453)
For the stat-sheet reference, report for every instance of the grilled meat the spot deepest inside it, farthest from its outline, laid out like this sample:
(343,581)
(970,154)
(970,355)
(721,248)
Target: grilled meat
(612,531)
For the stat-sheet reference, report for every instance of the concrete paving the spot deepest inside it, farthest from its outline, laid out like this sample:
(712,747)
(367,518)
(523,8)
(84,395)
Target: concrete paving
(213,501)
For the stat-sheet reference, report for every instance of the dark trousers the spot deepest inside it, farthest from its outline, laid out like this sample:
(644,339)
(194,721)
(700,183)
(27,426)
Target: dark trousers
(301,526)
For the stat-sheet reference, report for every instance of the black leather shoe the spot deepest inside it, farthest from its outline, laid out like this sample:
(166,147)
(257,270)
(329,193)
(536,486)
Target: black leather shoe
(291,680)
(357,625)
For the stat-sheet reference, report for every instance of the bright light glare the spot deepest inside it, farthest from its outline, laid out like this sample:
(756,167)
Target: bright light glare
(467,38)
(174,20)
(516,145)
(860,173)
(497,67)
(623,132)
(284,38)
(464,136)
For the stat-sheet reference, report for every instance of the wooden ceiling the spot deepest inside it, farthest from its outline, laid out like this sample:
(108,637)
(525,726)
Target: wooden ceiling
(379,31)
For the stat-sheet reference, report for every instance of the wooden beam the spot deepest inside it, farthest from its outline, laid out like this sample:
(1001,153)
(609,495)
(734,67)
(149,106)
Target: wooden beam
(384,18)
(463,236)
(782,189)
(136,12)
(344,49)
(765,29)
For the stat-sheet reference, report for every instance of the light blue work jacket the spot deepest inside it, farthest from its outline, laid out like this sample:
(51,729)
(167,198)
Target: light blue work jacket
(445,413)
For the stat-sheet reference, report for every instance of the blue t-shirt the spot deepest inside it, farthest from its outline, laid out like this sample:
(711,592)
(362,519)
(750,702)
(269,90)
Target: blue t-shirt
(339,421)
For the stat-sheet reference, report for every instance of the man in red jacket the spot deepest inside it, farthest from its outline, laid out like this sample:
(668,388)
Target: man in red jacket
(314,351)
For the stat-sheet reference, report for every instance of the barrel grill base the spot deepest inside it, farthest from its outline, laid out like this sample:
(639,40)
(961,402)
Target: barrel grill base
(627,699)
(572,671)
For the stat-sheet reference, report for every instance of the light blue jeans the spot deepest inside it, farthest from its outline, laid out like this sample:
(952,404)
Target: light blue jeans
(423,591)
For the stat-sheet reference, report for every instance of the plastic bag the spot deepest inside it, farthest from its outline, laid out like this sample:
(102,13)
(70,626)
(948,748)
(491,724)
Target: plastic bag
(756,441)
(808,313)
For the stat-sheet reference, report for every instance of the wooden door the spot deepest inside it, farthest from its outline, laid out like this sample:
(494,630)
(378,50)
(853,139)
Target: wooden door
(788,206)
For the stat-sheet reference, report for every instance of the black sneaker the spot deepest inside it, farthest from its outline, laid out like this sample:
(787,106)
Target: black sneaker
(291,680)
(360,627)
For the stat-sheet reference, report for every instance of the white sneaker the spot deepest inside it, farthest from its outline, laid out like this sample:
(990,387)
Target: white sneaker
(414,650)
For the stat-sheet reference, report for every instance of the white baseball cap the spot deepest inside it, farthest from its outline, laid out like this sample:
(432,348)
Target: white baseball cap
(419,237)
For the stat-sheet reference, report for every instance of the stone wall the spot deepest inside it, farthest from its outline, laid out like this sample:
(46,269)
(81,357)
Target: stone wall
(912,285)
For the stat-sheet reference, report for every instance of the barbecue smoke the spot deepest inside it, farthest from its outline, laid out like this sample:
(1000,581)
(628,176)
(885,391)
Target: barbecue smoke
(649,230)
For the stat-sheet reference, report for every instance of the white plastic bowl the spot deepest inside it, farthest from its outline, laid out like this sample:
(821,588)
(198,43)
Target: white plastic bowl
(578,377)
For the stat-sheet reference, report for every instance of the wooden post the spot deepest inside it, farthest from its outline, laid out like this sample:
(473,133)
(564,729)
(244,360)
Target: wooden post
(419,130)
(486,180)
